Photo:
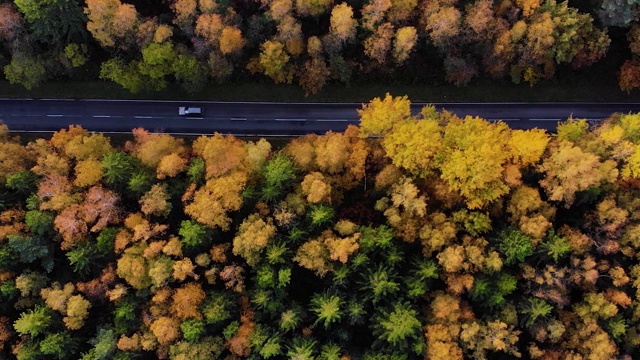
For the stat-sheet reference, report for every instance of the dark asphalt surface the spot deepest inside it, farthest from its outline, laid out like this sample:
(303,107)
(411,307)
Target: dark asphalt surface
(265,119)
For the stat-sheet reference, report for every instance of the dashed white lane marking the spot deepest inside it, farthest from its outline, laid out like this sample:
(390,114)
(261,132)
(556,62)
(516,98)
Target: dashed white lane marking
(545,119)
(290,119)
(55,115)
(101,116)
(238,119)
(143,117)
(333,120)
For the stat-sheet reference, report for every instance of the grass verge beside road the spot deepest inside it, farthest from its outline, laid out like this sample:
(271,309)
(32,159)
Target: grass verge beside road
(596,87)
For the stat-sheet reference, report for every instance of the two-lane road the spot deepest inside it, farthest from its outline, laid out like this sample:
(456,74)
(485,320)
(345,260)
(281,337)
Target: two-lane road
(265,119)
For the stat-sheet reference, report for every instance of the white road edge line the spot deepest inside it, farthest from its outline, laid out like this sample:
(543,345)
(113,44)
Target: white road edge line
(545,119)
(497,119)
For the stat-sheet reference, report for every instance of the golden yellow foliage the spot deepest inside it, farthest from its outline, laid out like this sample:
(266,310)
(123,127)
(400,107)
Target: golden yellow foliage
(183,268)
(413,145)
(618,276)
(63,136)
(373,13)
(579,242)
(528,6)
(493,336)
(110,21)
(279,8)
(378,44)
(231,40)
(86,146)
(477,153)
(253,235)
(162,33)
(442,343)
(569,169)
(332,152)
(345,227)
(151,148)
(173,247)
(314,255)
(222,154)
(442,22)
(133,267)
(170,166)
(341,248)
(447,309)
(207,6)
(611,217)
(572,130)
(160,270)
(77,312)
(437,233)
(302,151)
(589,341)
(186,300)
(401,10)
(56,296)
(209,26)
(257,154)
(274,60)
(405,39)
(452,258)
(88,172)
(155,201)
(218,196)
(342,23)
(312,7)
(316,188)
(165,329)
(632,168)
(129,343)
(388,176)
(218,252)
(528,145)
(535,226)
(380,115)
(117,292)
(405,195)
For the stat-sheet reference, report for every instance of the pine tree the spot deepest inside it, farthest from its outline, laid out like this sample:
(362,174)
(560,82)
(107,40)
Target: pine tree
(327,307)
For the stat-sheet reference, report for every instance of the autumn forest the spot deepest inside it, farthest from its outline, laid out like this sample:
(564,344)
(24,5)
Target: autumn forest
(146,45)
(406,237)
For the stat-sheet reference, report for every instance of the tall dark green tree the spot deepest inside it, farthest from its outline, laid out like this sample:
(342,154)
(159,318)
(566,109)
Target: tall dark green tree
(55,22)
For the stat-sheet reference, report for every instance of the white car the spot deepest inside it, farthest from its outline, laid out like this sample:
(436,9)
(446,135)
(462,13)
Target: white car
(190,111)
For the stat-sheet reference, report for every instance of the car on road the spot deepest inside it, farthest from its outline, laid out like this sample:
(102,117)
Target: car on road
(190,111)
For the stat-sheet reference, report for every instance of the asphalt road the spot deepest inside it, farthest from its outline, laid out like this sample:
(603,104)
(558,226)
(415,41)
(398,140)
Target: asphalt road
(265,119)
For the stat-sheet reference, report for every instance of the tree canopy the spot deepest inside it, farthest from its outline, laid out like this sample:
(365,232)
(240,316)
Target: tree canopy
(410,236)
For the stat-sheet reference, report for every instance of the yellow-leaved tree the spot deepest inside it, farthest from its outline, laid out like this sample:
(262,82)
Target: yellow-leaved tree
(476,153)
(314,255)
(413,145)
(380,115)
(211,202)
(254,234)
(569,169)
